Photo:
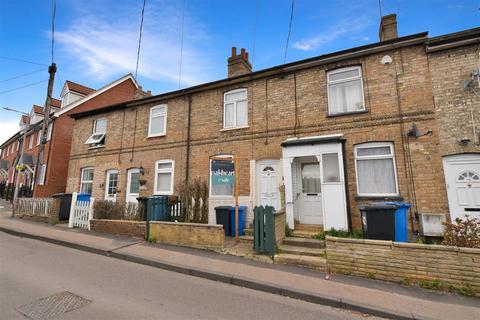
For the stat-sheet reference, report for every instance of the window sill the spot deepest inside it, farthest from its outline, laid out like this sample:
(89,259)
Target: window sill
(379,197)
(156,135)
(96,147)
(234,128)
(346,113)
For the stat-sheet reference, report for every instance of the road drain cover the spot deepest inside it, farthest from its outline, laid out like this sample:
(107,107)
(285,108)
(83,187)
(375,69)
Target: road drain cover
(53,306)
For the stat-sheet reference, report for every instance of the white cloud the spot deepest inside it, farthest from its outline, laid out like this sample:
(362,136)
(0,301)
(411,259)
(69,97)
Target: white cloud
(344,27)
(9,128)
(107,47)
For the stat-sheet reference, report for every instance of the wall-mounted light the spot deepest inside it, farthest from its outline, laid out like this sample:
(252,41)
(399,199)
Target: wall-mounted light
(141,170)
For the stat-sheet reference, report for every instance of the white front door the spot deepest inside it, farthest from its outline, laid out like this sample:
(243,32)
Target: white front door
(309,196)
(111,184)
(267,183)
(462,176)
(333,191)
(133,185)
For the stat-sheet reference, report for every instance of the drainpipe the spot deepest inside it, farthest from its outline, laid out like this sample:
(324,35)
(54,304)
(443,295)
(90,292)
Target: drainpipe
(187,164)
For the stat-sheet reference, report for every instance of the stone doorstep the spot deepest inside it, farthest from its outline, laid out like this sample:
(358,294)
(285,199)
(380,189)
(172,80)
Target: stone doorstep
(304,242)
(314,228)
(317,263)
(303,251)
(304,234)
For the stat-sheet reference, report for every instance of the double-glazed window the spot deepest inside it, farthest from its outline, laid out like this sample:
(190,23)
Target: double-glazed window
(86,180)
(39,137)
(158,121)
(97,139)
(30,142)
(235,109)
(49,132)
(375,167)
(345,90)
(164,177)
(111,185)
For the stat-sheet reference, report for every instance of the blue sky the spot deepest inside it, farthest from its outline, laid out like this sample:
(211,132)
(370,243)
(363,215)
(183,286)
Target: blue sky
(96,41)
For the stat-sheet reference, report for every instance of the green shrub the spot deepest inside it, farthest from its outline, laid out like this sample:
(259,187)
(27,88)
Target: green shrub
(462,233)
(104,209)
(356,234)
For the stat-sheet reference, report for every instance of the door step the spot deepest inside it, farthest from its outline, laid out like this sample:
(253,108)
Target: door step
(314,228)
(317,263)
(303,251)
(304,234)
(246,239)
(304,242)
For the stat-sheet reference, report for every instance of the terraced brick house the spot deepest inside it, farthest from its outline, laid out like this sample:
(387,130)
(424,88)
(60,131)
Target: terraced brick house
(50,178)
(318,137)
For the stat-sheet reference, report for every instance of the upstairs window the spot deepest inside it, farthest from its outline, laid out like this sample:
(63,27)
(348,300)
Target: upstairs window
(97,139)
(345,91)
(375,167)
(30,142)
(49,132)
(164,177)
(39,137)
(86,180)
(235,109)
(18,145)
(41,175)
(158,121)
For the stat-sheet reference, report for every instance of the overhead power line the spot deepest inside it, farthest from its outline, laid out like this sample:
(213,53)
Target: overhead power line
(140,40)
(25,86)
(24,61)
(255,31)
(181,45)
(289,31)
(23,75)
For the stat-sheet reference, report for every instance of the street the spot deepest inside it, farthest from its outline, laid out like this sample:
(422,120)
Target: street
(117,289)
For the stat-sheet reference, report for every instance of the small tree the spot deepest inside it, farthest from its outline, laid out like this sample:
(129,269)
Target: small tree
(462,233)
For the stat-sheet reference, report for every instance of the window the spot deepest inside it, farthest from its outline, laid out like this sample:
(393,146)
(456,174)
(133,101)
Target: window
(18,145)
(30,142)
(164,177)
(86,180)
(235,109)
(49,132)
(311,178)
(97,139)
(345,90)
(39,137)
(375,167)
(41,174)
(111,184)
(158,121)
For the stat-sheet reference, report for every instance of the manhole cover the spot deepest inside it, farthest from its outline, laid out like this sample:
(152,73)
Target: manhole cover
(53,306)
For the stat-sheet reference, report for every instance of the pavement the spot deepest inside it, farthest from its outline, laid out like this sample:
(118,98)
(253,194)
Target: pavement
(371,297)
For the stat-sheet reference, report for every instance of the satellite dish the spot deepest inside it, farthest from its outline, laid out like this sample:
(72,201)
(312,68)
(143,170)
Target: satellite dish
(414,132)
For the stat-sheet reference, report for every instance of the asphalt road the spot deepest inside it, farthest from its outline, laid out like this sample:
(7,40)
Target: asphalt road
(31,269)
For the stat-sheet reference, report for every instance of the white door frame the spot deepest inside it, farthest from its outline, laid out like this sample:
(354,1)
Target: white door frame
(260,163)
(107,180)
(303,198)
(127,189)
(316,146)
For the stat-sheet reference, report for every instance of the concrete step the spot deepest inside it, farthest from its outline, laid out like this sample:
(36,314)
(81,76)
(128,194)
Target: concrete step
(248,231)
(315,228)
(304,242)
(317,263)
(303,234)
(246,239)
(304,251)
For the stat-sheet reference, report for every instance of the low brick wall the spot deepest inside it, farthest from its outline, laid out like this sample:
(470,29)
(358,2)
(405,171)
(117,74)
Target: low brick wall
(188,234)
(432,266)
(120,227)
(280,223)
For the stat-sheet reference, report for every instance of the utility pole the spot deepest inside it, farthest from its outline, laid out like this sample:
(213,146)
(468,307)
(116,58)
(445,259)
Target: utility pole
(46,119)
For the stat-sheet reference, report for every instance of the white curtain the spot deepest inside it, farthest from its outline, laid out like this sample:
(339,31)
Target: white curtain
(345,96)
(164,181)
(376,176)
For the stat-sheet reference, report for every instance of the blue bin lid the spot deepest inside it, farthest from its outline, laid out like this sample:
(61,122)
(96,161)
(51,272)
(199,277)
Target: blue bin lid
(239,207)
(399,204)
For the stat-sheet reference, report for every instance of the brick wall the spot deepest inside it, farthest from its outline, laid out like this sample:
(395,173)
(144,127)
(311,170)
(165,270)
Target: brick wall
(403,86)
(405,262)
(188,234)
(119,227)
(455,107)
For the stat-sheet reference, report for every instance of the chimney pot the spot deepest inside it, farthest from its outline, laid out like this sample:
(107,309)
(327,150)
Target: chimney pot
(388,27)
(234,51)
(238,64)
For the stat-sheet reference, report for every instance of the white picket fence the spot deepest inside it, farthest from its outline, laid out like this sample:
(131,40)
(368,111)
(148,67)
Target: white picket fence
(81,212)
(34,206)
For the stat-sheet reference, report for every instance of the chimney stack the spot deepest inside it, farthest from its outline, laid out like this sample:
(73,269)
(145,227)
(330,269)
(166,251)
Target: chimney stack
(388,27)
(238,64)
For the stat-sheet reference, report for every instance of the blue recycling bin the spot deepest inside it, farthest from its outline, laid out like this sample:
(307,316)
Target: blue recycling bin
(242,212)
(401,220)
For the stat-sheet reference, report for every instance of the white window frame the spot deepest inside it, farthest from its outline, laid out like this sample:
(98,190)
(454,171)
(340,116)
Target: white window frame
(18,145)
(42,174)
(164,115)
(235,102)
(219,196)
(39,137)
(49,131)
(375,157)
(172,177)
(331,82)
(86,181)
(107,181)
(96,138)
(30,142)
